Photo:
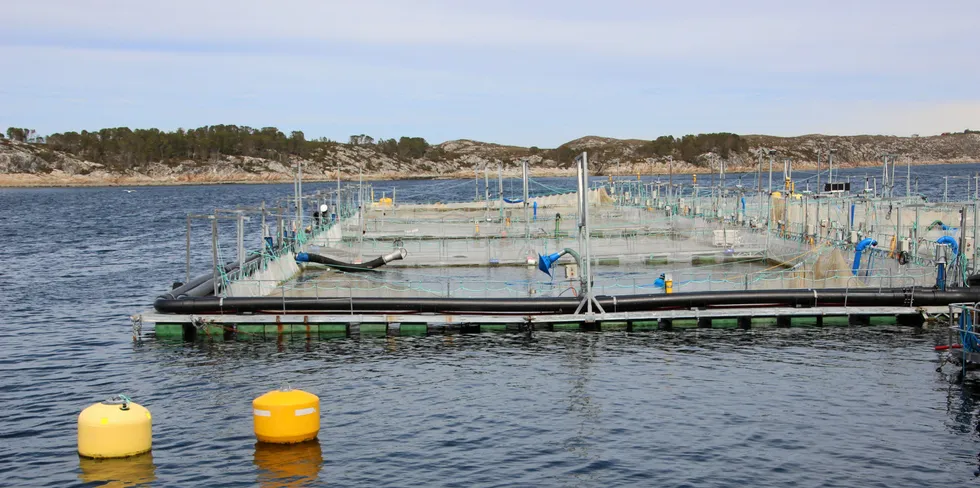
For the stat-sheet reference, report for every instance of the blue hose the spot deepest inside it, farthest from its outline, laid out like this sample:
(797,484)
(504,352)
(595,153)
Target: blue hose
(969,340)
(951,242)
(858,250)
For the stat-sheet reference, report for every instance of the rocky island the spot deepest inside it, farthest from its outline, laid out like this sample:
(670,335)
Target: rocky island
(238,154)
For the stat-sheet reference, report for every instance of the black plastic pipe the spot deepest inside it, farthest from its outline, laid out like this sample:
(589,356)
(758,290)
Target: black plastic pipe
(806,298)
(202,285)
(305,257)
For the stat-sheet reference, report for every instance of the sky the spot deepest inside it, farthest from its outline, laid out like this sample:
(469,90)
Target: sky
(523,72)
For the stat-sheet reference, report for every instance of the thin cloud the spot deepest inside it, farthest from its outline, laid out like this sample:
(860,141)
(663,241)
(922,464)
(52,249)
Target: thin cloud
(510,71)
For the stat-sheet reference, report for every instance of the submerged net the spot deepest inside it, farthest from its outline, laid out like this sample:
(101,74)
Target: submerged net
(831,270)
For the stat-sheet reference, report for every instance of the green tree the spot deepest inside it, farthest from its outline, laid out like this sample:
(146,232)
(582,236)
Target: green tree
(19,134)
(412,147)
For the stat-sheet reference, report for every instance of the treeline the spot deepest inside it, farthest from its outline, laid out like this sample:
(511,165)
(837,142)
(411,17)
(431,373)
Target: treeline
(689,147)
(686,148)
(123,147)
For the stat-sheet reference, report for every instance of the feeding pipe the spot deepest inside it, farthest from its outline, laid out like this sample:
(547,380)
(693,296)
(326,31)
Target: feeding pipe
(546,262)
(859,250)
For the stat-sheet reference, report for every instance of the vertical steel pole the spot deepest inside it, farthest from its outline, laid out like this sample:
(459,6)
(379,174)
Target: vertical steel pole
(891,191)
(962,249)
(500,190)
(360,215)
(214,252)
(976,225)
(527,218)
(760,173)
(818,172)
(299,187)
(770,171)
(262,229)
(830,166)
(884,178)
(187,274)
(240,236)
(908,179)
(584,220)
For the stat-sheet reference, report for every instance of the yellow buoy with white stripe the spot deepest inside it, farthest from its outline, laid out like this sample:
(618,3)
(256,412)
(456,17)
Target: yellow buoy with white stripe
(114,428)
(286,416)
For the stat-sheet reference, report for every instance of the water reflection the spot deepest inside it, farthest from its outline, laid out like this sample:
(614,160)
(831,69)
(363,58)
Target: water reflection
(578,358)
(288,464)
(131,471)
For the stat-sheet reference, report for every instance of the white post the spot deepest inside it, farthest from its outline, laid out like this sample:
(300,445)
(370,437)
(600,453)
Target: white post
(771,154)
(500,190)
(830,170)
(241,243)
(527,218)
(583,185)
(908,179)
(818,173)
(360,215)
(299,192)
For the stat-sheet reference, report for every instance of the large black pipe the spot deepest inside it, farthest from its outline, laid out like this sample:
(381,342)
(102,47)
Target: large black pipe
(887,297)
(202,285)
(305,257)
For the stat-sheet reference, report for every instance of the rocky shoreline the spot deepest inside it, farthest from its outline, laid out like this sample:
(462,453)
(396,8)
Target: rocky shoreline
(27,165)
(60,179)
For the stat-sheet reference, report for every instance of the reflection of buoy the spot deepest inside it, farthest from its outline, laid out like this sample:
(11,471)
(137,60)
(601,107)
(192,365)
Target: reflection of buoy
(286,416)
(132,471)
(115,428)
(288,464)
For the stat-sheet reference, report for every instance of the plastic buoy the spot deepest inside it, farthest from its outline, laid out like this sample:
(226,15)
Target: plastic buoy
(286,416)
(114,428)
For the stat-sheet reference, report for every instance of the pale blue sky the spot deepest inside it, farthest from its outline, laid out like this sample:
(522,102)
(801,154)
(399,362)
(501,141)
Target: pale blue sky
(515,72)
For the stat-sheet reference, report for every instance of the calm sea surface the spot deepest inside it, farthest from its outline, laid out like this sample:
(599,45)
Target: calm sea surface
(802,407)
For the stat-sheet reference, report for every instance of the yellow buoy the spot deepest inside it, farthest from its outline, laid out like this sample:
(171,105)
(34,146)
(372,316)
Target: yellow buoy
(286,416)
(114,428)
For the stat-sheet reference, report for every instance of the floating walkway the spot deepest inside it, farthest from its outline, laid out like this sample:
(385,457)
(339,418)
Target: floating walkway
(266,326)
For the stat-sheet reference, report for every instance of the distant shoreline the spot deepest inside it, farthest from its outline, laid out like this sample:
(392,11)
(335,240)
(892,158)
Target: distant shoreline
(63,180)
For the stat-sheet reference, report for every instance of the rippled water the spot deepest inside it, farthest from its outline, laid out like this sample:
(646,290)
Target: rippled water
(808,407)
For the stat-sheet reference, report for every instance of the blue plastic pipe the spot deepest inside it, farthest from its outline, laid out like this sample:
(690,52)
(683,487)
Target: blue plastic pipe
(859,250)
(951,241)
(941,267)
